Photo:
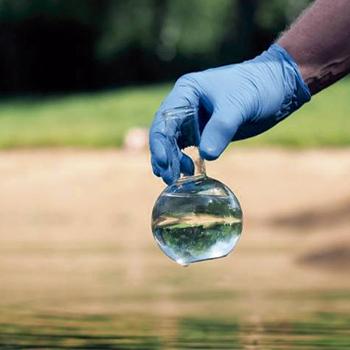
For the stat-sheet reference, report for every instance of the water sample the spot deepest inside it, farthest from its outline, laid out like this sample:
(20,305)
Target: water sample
(196,218)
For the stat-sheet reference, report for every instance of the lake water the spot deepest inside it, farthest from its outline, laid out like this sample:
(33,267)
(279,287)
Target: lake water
(145,331)
(93,299)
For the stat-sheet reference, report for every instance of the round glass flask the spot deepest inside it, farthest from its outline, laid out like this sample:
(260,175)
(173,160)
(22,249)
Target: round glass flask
(196,218)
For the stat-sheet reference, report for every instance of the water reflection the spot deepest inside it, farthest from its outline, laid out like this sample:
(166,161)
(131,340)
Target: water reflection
(323,330)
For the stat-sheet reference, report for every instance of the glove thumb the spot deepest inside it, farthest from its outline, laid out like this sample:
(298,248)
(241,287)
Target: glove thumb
(219,132)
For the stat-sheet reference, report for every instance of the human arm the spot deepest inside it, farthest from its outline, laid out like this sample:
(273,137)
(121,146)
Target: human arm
(319,42)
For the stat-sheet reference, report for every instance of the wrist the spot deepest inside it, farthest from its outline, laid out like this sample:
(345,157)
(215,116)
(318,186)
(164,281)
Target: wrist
(296,91)
(307,70)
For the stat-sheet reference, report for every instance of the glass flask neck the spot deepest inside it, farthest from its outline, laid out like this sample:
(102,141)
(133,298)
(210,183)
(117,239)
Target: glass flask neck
(183,122)
(198,162)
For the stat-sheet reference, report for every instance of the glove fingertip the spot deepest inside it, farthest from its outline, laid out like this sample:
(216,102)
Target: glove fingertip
(159,154)
(168,177)
(155,168)
(209,151)
(186,165)
(209,155)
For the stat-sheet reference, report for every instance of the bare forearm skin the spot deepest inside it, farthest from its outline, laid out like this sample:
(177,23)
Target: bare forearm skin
(319,42)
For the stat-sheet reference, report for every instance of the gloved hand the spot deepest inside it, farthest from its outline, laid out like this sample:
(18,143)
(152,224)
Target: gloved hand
(234,102)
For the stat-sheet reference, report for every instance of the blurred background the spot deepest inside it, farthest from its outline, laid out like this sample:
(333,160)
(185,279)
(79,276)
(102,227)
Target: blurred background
(83,73)
(79,84)
(59,46)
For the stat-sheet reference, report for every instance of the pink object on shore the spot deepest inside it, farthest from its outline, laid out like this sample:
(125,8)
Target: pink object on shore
(136,139)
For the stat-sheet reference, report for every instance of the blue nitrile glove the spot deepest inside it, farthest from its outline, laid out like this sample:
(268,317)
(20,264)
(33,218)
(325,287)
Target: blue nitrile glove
(234,102)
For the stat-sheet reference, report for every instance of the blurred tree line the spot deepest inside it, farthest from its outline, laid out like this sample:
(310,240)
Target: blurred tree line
(64,45)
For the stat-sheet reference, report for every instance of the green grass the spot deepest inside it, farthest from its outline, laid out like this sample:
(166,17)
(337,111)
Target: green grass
(82,120)
(101,119)
(325,121)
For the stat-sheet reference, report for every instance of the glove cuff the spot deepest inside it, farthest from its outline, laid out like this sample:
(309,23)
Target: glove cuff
(297,92)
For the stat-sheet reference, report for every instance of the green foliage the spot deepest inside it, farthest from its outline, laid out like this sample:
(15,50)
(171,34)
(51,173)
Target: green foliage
(189,27)
(198,27)
(50,45)
(272,14)
(166,27)
(18,10)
